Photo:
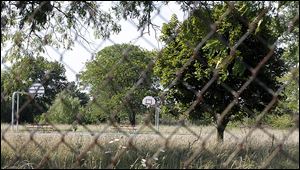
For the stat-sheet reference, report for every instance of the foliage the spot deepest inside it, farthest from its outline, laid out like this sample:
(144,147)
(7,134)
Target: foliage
(64,109)
(72,93)
(115,71)
(21,76)
(290,43)
(32,25)
(291,104)
(270,120)
(284,121)
(92,113)
(73,90)
(182,38)
(41,23)
(5,99)
(290,40)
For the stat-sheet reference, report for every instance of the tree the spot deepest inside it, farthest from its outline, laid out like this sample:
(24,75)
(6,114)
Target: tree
(41,23)
(65,109)
(5,99)
(291,103)
(115,71)
(31,25)
(291,57)
(73,90)
(182,38)
(22,75)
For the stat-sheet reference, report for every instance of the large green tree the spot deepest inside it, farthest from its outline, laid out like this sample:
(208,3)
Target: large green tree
(21,76)
(290,41)
(119,77)
(182,38)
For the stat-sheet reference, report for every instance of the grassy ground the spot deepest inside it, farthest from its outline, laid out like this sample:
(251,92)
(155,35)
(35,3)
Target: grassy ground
(146,148)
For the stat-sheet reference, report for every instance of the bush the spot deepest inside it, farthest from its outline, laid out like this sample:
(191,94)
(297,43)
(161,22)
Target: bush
(40,119)
(64,109)
(92,114)
(284,121)
(275,121)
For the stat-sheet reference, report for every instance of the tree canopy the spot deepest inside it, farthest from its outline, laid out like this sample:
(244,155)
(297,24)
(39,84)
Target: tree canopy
(119,80)
(65,109)
(29,26)
(117,74)
(182,39)
(32,25)
(22,75)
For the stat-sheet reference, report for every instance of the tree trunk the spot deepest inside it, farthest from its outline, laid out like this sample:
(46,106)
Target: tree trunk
(131,112)
(132,119)
(220,134)
(221,125)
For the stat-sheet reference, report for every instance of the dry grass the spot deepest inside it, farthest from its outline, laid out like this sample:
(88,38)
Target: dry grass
(23,150)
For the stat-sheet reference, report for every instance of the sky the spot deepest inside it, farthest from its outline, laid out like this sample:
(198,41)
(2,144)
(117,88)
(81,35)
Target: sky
(74,60)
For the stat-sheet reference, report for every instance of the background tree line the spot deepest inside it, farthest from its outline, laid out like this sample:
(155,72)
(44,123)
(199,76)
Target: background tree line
(115,93)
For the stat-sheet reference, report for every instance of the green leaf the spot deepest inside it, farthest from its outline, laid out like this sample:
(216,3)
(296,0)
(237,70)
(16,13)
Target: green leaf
(238,68)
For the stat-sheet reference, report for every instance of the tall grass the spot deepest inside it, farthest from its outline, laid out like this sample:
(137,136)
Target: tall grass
(148,150)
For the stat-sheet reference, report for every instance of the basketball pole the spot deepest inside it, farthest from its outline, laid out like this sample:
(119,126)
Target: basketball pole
(156,117)
(150,101)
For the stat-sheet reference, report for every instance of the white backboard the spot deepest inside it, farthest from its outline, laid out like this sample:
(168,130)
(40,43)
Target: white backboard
(36,88)
(148,101)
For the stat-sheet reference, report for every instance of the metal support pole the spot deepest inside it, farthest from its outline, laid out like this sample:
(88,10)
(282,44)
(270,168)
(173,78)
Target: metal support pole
(17,110)
(12,110)
(36,88)
(157,118)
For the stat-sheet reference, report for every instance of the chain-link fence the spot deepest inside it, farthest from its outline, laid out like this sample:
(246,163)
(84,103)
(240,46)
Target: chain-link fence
(222,76)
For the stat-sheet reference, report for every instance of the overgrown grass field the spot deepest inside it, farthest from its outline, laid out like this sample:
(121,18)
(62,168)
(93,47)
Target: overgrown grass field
(170,148)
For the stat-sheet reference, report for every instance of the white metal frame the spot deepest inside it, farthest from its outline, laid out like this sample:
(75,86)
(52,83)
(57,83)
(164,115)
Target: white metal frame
(150,101)
(35,89)
(13,108)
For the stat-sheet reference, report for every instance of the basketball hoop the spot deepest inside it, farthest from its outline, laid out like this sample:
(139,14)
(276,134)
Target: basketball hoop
(148,101)
(36,89)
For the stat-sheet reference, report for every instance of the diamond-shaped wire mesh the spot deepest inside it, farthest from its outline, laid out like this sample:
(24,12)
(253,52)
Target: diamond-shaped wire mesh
(140,142)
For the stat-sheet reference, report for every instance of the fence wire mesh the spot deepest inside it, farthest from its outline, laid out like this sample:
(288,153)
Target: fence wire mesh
(198,80)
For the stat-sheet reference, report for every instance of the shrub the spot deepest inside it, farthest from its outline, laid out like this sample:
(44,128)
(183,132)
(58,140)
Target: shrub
(64,109)
(283,121)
